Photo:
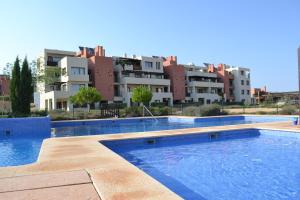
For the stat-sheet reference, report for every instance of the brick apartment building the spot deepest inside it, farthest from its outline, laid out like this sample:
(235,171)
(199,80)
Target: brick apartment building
(115,77)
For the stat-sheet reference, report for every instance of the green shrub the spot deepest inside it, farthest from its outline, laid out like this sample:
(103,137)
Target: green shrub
(288,110)
(39,113)
(211,110)
(160,104)
(134,111)
(165,111)
(191,111)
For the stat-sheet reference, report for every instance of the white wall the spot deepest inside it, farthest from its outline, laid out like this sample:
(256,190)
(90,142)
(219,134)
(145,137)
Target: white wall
(238,87)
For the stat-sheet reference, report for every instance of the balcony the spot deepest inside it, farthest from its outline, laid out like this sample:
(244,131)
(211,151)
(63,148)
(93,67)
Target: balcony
(52,63)
(145,81)
(75,78)
(205,96)
(201,74)
(205,84)
(161,95)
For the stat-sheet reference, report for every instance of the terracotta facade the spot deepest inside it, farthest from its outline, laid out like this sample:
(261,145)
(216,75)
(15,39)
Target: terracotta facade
(101,71)
(176,75)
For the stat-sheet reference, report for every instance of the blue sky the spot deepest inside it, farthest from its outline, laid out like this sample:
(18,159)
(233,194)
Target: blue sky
(260,34)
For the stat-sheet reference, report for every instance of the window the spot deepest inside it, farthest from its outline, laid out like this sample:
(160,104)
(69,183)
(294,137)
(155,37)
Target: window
(148,64)
(116,91)
(76,87)
(243,92)
(248,92)
(64,87)
(242,82)
(248,82)
(242,72)
(46,104)
(208,101)
(116,77)
(63,71)
(50,104)
(248,75)
(77,70)
(158,65)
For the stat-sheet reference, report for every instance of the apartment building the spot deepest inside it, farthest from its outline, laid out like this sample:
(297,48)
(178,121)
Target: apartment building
(241,84)
(69,73)
(259,95)
(202,86)
(130,72)
(115,77)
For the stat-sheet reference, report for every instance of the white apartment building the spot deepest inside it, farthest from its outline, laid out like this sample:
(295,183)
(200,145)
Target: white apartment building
(72,75)
(241,84)
(201,86)
(142,70)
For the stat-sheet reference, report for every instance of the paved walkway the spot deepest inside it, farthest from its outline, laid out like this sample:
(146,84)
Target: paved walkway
(65,185)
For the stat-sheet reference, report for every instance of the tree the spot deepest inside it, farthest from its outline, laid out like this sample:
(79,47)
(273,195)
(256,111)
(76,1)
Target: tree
(86,95)
(26,88)
(141,94)
(15,88)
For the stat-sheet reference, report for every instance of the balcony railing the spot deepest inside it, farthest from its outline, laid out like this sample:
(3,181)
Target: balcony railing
(52,63)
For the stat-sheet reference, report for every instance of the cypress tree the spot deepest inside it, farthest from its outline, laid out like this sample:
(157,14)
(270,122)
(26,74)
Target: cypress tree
(26,88)
(15,88)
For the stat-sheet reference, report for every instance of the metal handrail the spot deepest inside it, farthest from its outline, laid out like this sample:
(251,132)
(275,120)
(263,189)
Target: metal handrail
(145,108)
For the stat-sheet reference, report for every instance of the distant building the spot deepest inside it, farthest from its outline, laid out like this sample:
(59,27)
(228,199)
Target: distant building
(4,85)
(287,97)
(259,95)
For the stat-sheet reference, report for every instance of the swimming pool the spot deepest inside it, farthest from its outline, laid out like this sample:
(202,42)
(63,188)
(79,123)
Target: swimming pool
(23,144)
(95,127)
(243,164)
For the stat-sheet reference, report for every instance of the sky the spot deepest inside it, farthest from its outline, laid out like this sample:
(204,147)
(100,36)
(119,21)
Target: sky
(262,35)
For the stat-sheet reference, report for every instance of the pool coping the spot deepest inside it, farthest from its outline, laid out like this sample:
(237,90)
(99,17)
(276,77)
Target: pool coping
(113,176)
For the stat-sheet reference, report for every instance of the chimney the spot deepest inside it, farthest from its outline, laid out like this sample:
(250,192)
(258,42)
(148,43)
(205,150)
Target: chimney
(99,51)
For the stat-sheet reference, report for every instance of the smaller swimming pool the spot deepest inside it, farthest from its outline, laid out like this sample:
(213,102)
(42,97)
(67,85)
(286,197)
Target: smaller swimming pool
(242,164)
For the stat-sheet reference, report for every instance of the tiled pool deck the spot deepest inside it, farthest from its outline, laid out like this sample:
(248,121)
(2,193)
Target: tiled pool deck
(82,168)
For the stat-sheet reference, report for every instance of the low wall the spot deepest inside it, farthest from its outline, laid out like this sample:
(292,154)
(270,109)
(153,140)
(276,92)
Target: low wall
(25,127)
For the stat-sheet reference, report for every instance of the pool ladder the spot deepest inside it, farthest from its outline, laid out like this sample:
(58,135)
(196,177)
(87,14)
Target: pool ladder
(145,108)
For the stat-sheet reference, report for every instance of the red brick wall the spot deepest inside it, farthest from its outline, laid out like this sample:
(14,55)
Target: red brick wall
(102,74)
(224,76)
(176,75)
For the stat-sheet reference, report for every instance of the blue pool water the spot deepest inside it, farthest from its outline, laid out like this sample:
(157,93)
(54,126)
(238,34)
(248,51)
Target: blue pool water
(63,129)
(23,144)
(21,139)
(248,164)
(19,151)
